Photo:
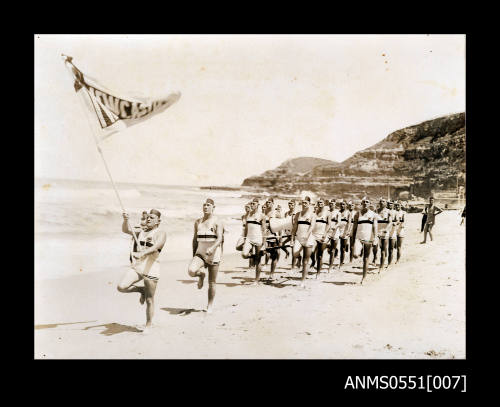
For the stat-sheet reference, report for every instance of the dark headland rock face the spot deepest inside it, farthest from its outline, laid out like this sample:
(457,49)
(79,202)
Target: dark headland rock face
(422,159)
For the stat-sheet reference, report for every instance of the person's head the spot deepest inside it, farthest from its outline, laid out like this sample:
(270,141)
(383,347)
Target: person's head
(278,208)
(397,205)
(342,205)
(431,199)
(332,203)
(350,205)
(291,205)
(320,203)
(208,206)
(365,203)
(389,204)
(269,204)
(306,202)
(247,207)
(382,203)
(153,219)
(144,219)
(254,204)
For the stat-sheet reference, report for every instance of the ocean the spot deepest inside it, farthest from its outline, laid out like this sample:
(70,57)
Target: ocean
(78,223)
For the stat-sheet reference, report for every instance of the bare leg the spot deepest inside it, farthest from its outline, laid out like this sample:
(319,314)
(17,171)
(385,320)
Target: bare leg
(320,248)
(375,250)
(149,290)
(331,252)
(305,266)
(383,253)
(212,277)
(351,248)
(126,285)
(194,270)
(392,244)
(343,245)
(366,255)
(257,262)
(399,246)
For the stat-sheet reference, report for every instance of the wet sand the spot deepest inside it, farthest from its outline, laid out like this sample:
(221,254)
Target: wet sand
(413,310)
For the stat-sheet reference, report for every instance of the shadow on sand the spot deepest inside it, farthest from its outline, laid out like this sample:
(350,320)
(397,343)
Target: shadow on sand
(180,311)
(114,328)
(45,326)
(188,281)
(341,282)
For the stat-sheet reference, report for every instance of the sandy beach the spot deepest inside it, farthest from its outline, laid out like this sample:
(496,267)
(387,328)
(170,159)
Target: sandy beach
(413,310)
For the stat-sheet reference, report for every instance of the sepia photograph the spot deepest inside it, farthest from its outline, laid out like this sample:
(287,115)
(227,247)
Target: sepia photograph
(249,196)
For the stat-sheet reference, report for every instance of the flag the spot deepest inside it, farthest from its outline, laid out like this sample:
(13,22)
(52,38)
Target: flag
(115,113)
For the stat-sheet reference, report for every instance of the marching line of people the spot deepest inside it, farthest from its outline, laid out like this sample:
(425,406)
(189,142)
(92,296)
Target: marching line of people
(333,225)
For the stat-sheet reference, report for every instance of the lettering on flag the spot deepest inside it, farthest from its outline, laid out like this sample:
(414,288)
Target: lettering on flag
(115,113)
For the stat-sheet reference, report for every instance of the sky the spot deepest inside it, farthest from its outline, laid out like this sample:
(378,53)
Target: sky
(248,102)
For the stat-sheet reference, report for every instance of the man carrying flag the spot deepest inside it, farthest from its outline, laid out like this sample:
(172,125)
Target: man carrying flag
(112,114)
(146,266)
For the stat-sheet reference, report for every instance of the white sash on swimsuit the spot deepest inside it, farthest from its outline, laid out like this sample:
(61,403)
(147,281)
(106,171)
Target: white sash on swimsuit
(364,231)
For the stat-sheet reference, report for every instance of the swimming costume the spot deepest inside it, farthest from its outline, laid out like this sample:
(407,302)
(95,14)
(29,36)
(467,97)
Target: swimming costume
(383,221)
(343,225)
(364,232)
(304,222)
(206,235)
(148,266)
(320,227)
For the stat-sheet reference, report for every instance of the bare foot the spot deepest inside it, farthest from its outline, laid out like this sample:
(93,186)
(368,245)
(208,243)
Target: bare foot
(422,242)
(201,278)
(142,298)
(209,309)
(147,329)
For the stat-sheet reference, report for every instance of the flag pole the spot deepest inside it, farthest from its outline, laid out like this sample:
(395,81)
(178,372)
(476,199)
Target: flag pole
(82,106)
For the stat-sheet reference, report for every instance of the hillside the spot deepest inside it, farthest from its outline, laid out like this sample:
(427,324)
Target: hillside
(420,159)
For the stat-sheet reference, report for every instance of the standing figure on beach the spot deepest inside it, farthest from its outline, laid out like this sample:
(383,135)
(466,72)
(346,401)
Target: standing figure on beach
(400,216)
(254,235)
(320,233)
(392,231)
(287,233)
(146,264)
(384,224)
(207,239)
(431,211)
(352,211)
(303,225)
(365,230)
(463,217)
(333,233)
(343,227)
(272,239)
(241,240)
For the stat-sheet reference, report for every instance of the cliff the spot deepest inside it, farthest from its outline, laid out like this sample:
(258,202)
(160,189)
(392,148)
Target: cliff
(420,159)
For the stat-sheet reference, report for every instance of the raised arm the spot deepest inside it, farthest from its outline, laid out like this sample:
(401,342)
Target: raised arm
(125,224)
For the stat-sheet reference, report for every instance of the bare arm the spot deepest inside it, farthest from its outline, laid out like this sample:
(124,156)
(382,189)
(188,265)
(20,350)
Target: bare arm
(355,224)
(195,240)
(311,226)
(295,225)
(327,229)
(263,228)
(126,224)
